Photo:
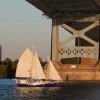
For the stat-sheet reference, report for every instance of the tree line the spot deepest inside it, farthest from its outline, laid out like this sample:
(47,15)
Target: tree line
(8,67)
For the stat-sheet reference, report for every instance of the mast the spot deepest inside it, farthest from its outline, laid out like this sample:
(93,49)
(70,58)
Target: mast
(47,71)
(32,63)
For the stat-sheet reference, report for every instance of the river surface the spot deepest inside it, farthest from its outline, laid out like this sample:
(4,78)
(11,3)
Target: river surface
(9,91)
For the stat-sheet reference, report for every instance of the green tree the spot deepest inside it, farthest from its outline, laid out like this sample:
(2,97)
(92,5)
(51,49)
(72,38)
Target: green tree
(3,71)
(14,66)
(9,69)
(8,64)
(6,61)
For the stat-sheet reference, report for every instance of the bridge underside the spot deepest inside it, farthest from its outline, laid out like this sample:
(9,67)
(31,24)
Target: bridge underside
(81,19)
(67,9)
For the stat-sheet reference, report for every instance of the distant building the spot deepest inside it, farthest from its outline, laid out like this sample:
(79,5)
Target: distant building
(0,52)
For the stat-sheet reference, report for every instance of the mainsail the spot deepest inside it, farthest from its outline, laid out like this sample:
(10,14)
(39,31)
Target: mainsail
(53,74)
(29,66)
(25,64)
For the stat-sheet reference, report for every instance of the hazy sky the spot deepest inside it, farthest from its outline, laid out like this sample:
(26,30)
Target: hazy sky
(21,26)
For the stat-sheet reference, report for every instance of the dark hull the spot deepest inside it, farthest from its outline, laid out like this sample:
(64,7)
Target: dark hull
(40,85)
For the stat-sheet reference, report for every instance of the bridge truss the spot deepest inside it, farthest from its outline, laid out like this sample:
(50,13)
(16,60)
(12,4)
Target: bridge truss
(81,18)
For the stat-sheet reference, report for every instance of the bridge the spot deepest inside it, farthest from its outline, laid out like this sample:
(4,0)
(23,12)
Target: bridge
(82,19)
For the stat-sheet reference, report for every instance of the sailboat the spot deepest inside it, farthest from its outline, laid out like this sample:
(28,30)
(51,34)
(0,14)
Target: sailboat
(52,73)
(29,71)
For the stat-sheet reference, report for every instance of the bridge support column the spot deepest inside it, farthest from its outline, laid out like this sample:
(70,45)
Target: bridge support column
(55,40)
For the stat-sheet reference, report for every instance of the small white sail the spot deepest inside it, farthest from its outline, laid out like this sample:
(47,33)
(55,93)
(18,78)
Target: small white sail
(39,74)
(25,64)
(53,74)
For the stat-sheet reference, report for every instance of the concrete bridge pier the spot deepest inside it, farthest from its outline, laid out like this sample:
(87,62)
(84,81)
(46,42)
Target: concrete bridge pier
(55,40)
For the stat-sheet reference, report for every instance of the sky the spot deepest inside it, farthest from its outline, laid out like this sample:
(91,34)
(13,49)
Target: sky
(22,26)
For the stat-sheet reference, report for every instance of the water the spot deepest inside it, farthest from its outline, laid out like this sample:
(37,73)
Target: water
(9,91)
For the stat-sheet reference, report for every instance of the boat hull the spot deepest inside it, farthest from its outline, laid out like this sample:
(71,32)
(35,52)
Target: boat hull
(37,85)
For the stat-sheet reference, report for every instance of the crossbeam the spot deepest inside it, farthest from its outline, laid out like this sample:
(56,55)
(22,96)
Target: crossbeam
(63,51)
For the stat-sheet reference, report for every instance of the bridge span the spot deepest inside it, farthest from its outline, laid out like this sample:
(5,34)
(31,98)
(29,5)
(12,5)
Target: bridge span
(82,19)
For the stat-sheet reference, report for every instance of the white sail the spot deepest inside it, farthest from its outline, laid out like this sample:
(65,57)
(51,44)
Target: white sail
(25,64)
(39,74)
(53,74)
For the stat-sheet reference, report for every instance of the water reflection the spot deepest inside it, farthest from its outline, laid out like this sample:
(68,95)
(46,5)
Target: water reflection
(9,91)
(68,92)
(37,93)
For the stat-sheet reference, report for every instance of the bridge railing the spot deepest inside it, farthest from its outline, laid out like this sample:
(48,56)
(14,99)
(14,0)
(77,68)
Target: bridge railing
(79,51)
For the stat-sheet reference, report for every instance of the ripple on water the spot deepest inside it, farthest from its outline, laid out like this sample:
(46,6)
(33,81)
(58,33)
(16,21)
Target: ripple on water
(9,91)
